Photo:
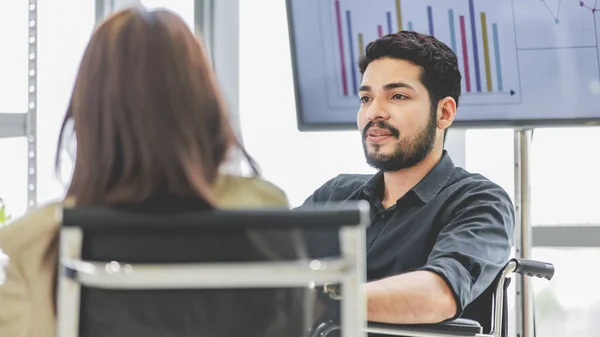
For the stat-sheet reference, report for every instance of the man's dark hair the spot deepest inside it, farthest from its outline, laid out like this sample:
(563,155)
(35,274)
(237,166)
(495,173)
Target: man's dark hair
(440,73)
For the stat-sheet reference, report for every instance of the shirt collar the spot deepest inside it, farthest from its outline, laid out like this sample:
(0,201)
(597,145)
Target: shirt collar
(426,189)
(436,179)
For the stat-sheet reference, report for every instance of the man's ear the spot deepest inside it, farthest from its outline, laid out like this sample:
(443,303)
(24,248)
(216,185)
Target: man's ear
(446,112)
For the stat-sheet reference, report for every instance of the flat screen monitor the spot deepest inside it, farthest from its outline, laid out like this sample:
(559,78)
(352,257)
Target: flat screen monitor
(523,62)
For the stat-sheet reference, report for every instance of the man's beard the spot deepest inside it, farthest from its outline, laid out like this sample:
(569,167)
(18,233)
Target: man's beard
(407,153)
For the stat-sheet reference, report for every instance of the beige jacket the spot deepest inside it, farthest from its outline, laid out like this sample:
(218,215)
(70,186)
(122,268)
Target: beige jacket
(26,297)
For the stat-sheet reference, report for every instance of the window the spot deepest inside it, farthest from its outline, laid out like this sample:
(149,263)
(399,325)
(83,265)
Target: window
(569,305)
(185,8)
(14,31)
(13,175)
(565,176)
(61,42)
(563,170)
(491,153)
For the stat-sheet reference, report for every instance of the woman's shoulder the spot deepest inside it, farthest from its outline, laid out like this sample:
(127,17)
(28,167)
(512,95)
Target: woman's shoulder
(30,246)
(241,192)
(36,225)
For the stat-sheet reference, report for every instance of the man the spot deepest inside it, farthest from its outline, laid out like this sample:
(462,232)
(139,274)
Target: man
(439,234)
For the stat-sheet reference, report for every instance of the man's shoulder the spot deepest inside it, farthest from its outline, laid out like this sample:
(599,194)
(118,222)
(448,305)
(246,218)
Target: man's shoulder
(473,179)
(469,184)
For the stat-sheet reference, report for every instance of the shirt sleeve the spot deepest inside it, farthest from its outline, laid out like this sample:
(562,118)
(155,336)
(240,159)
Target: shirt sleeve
(475,243)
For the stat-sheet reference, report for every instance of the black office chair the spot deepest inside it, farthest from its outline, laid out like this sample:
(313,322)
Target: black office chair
(495,326)
(123,273)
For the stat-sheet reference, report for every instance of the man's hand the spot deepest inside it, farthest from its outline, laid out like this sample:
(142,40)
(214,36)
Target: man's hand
(420,297)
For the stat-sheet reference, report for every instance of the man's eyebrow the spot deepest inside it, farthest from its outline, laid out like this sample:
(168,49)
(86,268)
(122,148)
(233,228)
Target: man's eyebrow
(388,86)
(396,85)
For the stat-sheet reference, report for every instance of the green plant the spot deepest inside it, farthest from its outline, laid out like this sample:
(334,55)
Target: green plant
(4,218)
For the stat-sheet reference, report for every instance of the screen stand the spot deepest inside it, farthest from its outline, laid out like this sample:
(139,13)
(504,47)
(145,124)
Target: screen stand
(524,291)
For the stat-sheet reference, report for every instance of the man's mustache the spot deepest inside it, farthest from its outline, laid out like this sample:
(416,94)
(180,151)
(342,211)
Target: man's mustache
(382,125)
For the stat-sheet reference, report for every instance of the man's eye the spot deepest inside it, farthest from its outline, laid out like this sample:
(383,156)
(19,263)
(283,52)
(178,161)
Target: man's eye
(364,99)
(399,96)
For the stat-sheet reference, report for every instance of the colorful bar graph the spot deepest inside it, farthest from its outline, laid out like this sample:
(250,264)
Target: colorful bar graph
(361,45)
(351,48)
(452,30)
(338,18)
(430,19)
(465,42)
(497,56)
(399,15)
(474,39)
(486,52)
(465,53)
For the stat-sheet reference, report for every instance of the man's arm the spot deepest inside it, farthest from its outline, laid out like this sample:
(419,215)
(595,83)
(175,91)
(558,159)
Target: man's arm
(416,297)
(470,250)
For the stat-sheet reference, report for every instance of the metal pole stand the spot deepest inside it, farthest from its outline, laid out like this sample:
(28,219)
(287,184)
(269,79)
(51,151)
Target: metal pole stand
(524,291)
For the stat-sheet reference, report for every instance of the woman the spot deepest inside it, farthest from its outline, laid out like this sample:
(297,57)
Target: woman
(152,135)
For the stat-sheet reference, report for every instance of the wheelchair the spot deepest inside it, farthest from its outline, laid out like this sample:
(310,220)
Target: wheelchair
(460,327)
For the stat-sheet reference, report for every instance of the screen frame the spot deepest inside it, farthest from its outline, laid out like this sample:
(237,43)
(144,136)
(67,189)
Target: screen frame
(305,126)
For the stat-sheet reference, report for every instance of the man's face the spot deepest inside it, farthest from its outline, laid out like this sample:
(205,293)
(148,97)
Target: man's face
(396,119)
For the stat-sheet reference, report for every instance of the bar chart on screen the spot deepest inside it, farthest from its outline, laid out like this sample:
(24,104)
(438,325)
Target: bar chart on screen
(480,32)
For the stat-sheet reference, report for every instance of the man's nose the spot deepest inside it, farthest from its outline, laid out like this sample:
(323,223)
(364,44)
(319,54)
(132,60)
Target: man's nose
(377,111)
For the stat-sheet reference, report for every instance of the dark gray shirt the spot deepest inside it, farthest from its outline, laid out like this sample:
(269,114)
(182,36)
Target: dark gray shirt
(454,223)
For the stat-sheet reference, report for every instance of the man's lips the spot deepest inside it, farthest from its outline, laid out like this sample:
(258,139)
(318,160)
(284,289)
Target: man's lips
(376,132)
(378,136)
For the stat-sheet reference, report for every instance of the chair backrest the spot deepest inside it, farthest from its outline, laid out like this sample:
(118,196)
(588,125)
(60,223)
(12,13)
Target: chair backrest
(217,273)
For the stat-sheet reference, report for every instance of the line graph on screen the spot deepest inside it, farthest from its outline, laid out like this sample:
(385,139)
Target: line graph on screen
(571,26)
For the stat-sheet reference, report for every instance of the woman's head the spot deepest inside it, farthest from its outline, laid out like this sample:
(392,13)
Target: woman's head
(148,115)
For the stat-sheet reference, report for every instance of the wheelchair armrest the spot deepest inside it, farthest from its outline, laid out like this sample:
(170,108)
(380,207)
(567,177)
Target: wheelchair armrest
(459,327)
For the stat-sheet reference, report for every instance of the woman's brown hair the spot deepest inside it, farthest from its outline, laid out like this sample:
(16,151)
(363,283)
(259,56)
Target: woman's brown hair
(148,115)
